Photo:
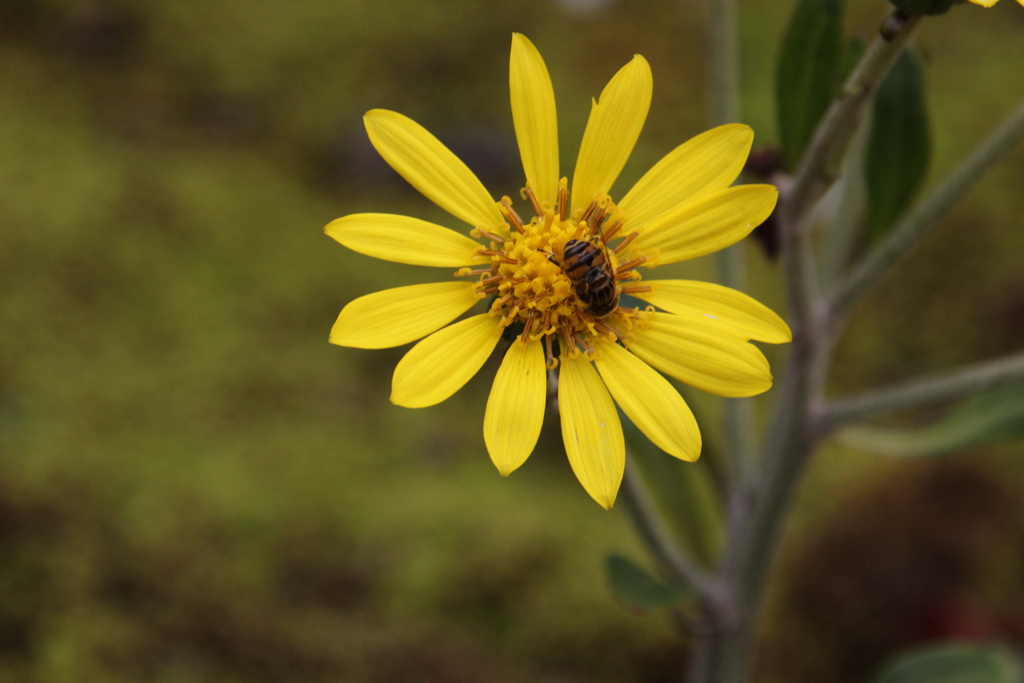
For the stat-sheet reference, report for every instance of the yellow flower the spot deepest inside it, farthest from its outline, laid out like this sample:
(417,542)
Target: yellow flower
(989,3)
(561,298)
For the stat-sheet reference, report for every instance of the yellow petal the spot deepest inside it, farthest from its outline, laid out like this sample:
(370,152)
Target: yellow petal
(442,363)
(703,353)
(515,407)
(750,318)
(533,113)
(711,161)
(405,240)
(398,316)
(650,401)
(431,167)
(591,430)
(712,222)
(614,125)
(989,3)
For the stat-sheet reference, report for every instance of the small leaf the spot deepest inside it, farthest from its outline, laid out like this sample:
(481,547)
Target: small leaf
(959,663)
(812,51)
(989,416)
(638,590)
(900,144)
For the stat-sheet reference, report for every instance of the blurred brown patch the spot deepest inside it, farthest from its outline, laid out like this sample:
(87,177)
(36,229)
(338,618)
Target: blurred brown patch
(932,554)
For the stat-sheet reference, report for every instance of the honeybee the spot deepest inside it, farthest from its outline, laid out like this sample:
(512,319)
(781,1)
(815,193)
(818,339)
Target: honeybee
(586,264)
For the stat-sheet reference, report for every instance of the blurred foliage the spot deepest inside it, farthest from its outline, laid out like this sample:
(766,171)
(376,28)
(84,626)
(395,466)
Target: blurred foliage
(197,487)
(899,145)
(988,416)
(956,664)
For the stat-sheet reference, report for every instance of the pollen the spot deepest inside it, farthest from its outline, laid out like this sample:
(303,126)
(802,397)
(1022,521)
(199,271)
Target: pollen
(568,297)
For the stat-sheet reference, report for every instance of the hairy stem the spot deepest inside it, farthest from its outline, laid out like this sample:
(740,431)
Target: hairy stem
(843,116)
(931,210)
(659,542)
(922,392)
(725,655)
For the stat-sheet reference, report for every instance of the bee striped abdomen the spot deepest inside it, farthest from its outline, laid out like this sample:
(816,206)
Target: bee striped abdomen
(588,269)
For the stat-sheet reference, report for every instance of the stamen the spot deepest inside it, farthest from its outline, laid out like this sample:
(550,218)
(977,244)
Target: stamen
(551,363)
(491,280)
(527,193)
(506,208)
(527,326)
(636,289)
(590,209)
(546,325)
(466,272)
(586,347)
(480,232)
(596,220)
(610,232)
(625,242)
(563,202)
(570,345)
(489,290)
(627,275)
(629,265)
(608,328)
(500,254)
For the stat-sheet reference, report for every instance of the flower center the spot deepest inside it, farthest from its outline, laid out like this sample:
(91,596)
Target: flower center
(560,276)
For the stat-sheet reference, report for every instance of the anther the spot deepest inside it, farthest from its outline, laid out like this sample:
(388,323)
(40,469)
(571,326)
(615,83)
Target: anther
(596,220)
(636,289)
(625,242)
(586,347)
(563,202)
(466,272)
(570,345)
(491,280)
(590,210)
(610,232)
(629,265)
(551,362)
(608,328)
(480,232)
(489,290)
(506,208)
(527,327)
(527,193)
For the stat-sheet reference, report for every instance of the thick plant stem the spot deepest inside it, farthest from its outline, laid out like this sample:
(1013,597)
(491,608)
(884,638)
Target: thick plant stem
(931,210)
(726,655)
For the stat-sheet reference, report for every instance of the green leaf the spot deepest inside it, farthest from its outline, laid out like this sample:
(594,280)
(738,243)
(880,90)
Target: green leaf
(900,144)
(855,49)
(959,663)
(989,416)
(684,492)
(637,589)
(806,81)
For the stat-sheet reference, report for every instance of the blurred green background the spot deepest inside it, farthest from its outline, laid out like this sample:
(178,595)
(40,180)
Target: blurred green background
(195,486)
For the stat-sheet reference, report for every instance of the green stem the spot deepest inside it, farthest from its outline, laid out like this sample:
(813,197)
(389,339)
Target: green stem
(843,116)
(926,391)
(725,655)
(724,60)
(931,210)
(659,542)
